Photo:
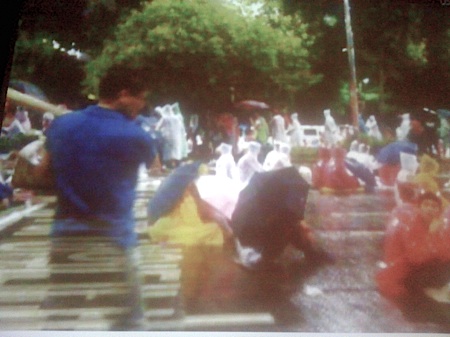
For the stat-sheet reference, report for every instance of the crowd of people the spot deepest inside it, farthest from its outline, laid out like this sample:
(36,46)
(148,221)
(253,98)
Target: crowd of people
(17,123)
(95,155)
(416,254)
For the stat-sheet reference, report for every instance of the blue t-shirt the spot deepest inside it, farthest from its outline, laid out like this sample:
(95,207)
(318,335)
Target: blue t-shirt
(96,154)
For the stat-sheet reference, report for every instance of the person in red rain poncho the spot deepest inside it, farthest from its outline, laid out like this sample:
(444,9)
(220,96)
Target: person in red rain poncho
(416,251)
(318,170)
(337,176)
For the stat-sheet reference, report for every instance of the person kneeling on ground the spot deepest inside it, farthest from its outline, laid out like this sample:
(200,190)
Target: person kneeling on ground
(298,237)
(268,218)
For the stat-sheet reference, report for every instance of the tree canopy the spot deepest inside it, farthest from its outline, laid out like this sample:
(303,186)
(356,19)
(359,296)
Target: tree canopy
(401,46)
(198,50)
(201,52)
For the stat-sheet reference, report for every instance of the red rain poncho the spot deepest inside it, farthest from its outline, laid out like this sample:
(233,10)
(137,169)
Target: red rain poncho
(330,174)
(409,244)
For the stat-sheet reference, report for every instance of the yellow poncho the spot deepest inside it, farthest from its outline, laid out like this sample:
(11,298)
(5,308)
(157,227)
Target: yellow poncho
(426,178)
(183,225)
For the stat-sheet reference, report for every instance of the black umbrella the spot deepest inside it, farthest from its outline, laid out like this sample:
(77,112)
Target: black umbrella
(269,209)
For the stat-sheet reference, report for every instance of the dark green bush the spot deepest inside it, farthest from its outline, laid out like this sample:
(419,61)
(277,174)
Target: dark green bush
(16,142)
(304,155)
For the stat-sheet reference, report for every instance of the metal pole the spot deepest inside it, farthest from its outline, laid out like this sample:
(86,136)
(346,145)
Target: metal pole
(33,103)
(351,61)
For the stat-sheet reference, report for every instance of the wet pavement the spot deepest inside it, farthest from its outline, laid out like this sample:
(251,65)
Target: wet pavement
(202,288)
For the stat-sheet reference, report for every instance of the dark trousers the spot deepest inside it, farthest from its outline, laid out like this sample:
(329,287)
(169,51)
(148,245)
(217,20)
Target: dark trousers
(95,260)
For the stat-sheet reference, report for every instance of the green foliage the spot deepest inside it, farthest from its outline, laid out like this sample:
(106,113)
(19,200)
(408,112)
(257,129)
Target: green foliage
(374,143)
(197,49)
(55,72)
(416,51)
(365,93)
(30,53)
(304,155)
(16,142)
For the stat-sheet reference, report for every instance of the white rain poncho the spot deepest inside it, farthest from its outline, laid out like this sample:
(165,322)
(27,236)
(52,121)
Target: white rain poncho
(249,164)
(285,159)
(355,153)
(172,132)
(279,157)
(20,124)
(278,129)
(361,153)
(296,131)
(225,164)
(373,129)
(331,132)
(183,136)
(403,130)
(272,157)
(409,165)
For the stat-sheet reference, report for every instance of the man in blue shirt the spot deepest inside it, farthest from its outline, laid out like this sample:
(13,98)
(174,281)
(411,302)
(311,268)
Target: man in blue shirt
(95,154)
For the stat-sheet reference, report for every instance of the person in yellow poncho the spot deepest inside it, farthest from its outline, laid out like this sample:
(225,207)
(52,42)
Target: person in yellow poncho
(426,177)
(191,221)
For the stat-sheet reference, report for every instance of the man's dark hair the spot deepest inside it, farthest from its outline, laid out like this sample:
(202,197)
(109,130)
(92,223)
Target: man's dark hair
(120,77)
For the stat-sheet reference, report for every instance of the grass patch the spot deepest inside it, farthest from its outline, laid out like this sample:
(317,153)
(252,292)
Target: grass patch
(304,155)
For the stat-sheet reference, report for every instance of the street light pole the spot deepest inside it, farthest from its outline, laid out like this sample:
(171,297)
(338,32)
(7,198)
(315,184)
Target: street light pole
(351,61)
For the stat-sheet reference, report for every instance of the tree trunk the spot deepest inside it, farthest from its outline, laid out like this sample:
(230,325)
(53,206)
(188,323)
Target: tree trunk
(382,107)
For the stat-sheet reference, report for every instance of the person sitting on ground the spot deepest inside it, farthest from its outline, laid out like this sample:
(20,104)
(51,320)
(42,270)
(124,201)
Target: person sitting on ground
(248,164)
(225,164)
(272,156)
(281,159)
(20,124)
(337,178)
(416,268)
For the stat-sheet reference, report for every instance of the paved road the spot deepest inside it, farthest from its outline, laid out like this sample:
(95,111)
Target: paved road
(202,289)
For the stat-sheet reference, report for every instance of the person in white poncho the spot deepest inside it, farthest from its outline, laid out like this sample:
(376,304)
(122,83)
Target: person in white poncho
(296,132)
(173,133)
(278,158)
(331,133)
(372,128)
(225,164)
(402,131)
(284,160)
(272,157)
(278,128)
(183,135)
(249,164)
